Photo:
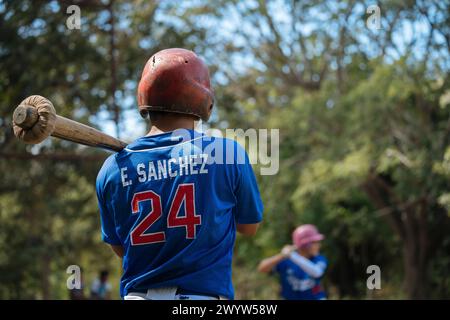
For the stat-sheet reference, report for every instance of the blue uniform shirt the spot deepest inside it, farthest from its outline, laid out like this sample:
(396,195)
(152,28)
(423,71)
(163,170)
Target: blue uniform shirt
(296,284)
(172,201)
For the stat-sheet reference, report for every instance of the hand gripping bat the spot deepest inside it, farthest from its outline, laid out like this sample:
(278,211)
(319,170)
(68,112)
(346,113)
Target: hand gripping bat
(35,119)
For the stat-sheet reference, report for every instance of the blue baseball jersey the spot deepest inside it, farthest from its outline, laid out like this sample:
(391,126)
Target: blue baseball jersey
(296,284)
(172,201)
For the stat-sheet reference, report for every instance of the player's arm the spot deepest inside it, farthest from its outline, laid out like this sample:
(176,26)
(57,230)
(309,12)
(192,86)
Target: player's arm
(247,229)
(267,265)
(109,234)
(118,250)
(315,270)
(249,206)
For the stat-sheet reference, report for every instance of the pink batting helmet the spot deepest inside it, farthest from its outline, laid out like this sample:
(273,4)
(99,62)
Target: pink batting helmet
(306,234)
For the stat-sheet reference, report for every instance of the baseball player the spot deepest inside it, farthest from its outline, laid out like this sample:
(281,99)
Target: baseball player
(300,266)
(172,201)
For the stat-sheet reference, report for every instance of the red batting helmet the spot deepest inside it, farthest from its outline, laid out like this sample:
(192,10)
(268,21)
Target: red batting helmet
(175,80)
(306,234)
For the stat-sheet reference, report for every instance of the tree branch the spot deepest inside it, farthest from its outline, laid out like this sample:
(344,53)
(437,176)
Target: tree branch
(71,157)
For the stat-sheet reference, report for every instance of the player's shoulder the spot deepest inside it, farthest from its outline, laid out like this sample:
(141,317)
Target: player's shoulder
(320,258)
(109,163)
(230,142)
(215,145)
(108,169)
(283,264)
(233,151)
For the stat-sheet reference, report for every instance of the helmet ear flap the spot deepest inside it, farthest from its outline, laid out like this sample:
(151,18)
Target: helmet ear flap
(143,111)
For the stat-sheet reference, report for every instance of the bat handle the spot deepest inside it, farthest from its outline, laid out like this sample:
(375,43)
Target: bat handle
(25,116)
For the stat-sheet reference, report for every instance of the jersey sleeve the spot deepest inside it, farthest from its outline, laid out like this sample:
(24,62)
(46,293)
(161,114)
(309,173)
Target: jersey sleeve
(322,262)
(108,227)
(279,267)
(249,205)
(313,267)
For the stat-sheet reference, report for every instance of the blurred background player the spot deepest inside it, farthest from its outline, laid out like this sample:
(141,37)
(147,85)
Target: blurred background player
(169,203)
(300,266)
(101,288)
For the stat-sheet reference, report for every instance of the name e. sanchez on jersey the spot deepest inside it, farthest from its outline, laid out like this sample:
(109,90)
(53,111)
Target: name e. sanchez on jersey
(166,168)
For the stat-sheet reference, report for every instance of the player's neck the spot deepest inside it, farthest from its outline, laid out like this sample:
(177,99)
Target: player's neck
(171,122)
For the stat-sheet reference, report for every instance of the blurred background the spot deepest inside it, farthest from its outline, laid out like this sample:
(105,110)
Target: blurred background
(360,94)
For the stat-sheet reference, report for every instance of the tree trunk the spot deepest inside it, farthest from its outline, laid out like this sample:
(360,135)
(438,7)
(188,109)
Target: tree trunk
(415,266)
(416,250)
(409,221)
(45,277)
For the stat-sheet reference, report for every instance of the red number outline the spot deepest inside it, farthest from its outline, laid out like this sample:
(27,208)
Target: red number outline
(137,234)
(190,219)
(185,193)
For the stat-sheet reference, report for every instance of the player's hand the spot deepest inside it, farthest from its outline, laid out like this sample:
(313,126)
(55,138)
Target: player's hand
(287,249)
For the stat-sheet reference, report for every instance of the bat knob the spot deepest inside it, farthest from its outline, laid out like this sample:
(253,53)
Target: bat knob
(34,119)
(25,116)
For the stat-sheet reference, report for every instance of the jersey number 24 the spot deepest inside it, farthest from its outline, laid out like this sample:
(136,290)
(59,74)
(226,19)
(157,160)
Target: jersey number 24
(185,193)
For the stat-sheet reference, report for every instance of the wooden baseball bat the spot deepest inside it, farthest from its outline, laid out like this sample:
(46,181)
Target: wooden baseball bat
(35,119)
